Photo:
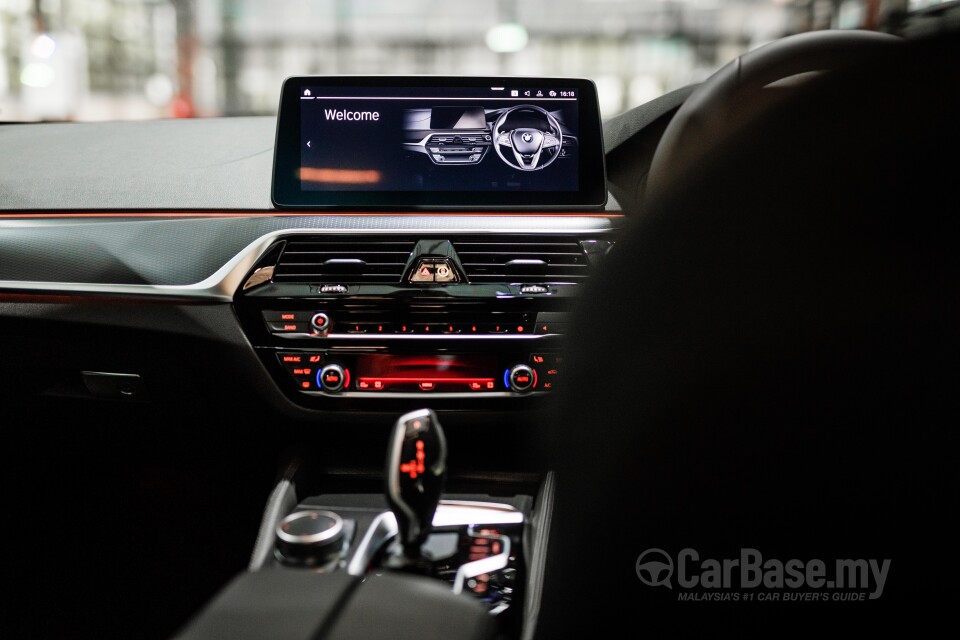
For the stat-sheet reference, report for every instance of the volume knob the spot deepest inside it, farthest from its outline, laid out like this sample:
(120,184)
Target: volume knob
(320,322)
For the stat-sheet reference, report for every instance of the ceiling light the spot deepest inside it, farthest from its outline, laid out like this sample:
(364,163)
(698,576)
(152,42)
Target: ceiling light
(43,46)
(508,37)
(37,75)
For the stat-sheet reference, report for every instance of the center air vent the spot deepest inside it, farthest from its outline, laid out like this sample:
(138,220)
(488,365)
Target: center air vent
(522,258)
(353,260)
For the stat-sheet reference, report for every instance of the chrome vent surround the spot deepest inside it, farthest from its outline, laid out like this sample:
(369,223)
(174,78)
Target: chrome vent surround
(348,260)
(522,258)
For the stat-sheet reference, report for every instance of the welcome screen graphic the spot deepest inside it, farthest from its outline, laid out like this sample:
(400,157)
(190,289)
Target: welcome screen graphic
(436,142)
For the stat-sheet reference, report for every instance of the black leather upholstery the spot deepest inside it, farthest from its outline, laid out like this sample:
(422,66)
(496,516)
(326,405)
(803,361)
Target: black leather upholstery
(287,604)
(769,361)
(273,603)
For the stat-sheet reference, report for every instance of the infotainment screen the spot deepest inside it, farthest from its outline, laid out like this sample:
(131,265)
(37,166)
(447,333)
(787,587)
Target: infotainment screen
(435,142)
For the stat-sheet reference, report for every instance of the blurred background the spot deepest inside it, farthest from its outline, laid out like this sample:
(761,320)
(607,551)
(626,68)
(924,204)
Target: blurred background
(135,59)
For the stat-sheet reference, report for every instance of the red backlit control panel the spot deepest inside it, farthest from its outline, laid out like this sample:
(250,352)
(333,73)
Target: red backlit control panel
(320,324)
(374,374)
(303,368)
(546,367)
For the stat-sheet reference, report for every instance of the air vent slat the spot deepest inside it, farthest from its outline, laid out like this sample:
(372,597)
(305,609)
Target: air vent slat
(328,265)
(346,261)
(522,259)
(509,258)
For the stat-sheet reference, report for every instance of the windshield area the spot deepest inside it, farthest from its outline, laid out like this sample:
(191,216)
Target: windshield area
(90,60)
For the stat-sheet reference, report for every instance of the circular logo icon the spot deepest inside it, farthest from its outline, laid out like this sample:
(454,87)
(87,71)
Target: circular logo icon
(527,137)
(655,568)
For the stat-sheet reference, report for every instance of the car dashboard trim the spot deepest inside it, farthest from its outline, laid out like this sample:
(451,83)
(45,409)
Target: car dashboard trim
(221,286)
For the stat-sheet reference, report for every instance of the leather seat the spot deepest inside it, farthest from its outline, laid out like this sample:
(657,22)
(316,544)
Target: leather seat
(768,361)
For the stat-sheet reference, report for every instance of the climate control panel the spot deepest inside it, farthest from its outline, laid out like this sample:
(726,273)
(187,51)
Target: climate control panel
(329,372)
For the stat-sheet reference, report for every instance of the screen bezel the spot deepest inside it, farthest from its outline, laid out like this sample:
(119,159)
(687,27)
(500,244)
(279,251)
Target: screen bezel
(286,192)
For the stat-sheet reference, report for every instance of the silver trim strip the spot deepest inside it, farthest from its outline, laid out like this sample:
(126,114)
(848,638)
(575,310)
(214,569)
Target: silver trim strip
(282,498)
(461,512)
(383,528)
(260,276)
(405,336)
(225,281)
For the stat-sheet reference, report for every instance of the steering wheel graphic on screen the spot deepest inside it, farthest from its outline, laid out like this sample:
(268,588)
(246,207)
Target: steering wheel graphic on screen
(527,148)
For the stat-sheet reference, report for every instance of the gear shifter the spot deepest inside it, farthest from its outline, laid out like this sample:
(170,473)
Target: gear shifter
(416,470)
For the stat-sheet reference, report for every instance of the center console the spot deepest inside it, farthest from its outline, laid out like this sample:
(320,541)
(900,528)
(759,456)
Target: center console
(461,312)
(473,544)
(465,320)
(456,322)
(322,557)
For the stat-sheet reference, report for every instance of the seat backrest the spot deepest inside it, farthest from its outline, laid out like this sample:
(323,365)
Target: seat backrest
(768,360)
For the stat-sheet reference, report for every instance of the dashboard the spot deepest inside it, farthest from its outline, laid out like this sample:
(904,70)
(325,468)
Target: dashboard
(331,306)
(370,277)
(203,334)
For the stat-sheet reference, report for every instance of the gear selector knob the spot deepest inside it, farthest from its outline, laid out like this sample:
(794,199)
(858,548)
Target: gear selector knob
(416,470)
